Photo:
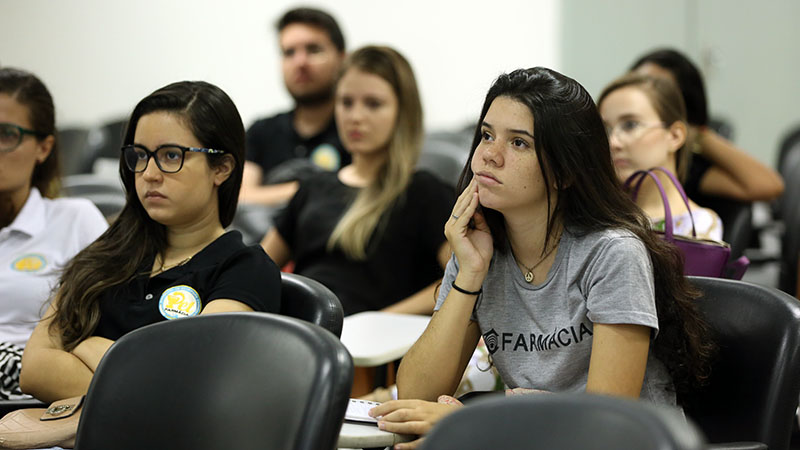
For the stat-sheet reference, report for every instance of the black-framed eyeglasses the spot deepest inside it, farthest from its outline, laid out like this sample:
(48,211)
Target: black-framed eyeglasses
(11,136)
(168,157)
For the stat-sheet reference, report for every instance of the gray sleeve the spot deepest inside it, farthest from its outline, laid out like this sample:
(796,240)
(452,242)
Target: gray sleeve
(619,285)
(450,273)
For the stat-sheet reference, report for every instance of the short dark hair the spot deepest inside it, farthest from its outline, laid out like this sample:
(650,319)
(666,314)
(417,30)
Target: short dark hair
(688,78)
(314,17)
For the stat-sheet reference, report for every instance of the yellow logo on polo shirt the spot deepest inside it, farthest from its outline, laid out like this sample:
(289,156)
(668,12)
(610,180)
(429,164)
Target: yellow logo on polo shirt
(179,301)
(29,263)
(326,156)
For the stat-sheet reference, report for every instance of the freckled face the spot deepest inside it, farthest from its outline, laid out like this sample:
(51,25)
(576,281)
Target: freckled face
(504,163)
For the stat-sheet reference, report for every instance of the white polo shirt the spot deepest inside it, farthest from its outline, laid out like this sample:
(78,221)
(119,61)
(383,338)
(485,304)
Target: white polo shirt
(44,236)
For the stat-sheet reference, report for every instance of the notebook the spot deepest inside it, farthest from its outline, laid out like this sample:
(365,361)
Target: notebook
(358,410)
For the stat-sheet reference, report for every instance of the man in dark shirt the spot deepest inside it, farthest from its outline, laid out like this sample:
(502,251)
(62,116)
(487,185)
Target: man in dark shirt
(282,148)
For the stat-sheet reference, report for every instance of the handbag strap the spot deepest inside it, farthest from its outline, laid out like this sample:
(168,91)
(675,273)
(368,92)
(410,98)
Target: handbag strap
(639,177)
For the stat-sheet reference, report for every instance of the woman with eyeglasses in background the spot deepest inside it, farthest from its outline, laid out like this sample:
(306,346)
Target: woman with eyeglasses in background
(717,167)
(167,255)
(646,122)
(39,234)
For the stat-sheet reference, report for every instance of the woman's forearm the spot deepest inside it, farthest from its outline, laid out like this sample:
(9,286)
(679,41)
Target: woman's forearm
(50,375)
(735,173)
(436,363)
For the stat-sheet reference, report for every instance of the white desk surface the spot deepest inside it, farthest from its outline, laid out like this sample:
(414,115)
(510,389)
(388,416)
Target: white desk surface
(374,338)
(366,435)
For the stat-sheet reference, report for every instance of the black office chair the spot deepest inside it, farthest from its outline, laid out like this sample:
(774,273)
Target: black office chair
(237,380)
(253,221)
(443,158)
(309,300)
(302,298)
(563,421)
(106,194)
(754,385)
(789,151)
(788,166)
(737,223)
(790,251)
(73,146)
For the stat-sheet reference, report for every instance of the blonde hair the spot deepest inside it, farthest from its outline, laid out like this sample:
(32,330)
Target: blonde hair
(362,220)
(666,99)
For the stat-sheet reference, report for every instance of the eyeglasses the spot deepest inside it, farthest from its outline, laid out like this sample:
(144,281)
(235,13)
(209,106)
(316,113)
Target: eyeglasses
(169,158)
(11,136)
(629,130)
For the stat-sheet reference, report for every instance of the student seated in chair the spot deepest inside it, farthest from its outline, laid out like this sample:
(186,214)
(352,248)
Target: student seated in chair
(39,233)
(717,167)
(167,255)
(371,232)
(554,266)
(646,122)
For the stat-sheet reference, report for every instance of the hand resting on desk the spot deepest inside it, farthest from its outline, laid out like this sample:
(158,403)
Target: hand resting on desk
(413,417)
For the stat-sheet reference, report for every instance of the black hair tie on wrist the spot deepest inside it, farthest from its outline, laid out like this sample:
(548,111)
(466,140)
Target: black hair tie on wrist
(464,291)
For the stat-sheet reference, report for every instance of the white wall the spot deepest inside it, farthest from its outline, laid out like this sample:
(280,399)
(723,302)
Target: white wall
(748,51)
(100,57)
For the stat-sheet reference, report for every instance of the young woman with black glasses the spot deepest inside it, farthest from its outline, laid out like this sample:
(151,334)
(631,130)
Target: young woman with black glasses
(167,255)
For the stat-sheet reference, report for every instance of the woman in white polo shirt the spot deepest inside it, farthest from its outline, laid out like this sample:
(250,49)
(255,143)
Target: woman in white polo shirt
(38,234)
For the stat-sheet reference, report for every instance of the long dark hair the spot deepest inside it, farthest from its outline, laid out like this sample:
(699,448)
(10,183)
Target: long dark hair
(573,153)
(29,91)
(688,78)
(117,255)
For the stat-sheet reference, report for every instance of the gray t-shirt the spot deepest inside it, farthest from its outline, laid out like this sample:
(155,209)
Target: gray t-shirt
(540,336)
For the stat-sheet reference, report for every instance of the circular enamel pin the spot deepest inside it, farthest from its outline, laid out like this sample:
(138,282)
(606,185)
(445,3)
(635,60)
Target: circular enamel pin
(29,263)
(326,157)
(179,301)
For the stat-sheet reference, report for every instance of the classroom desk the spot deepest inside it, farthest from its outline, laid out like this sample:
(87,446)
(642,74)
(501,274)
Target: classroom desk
(367,435)
(374,338)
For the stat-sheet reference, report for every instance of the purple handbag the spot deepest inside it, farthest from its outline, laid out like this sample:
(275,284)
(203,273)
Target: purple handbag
(702,257)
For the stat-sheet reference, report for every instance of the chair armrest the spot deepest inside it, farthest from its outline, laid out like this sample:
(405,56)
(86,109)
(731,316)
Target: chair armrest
(738,446)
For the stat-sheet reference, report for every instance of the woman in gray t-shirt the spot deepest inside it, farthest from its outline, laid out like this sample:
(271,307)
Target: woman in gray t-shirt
(553,265)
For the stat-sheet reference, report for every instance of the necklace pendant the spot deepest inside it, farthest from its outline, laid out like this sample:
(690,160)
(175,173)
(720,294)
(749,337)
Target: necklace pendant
(529,276)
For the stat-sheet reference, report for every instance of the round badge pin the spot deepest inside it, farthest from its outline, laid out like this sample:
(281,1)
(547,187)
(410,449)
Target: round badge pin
(326,156)
(179,301)
(29,263)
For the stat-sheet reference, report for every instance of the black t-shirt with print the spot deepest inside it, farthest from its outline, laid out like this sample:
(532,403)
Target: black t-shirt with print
(401,257)
(274,141)
(225,269)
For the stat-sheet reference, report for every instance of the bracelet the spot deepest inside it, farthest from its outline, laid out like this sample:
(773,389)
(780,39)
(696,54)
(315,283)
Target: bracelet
(464,291)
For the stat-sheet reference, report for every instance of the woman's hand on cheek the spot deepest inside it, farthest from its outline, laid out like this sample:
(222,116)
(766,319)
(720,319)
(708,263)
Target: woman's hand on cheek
(415,417)
(472,246)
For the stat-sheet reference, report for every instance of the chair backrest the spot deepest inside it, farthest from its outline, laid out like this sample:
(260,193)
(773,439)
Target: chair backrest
(562,421)
(754,385)
(253,221)
(235,380)
(309,300)
(790,251)
(443,157)
(789,151)
(737,222)
(73,145)
(107,194)
(789,168)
